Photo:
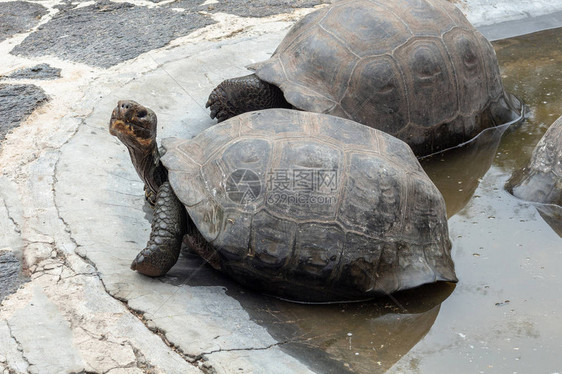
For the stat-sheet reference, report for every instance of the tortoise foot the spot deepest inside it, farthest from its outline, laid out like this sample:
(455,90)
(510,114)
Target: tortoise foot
(220,107)
(244,94)
(149,262)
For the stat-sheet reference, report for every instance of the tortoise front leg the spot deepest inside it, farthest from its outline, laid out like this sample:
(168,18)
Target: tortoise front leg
(244,94)
(168,226)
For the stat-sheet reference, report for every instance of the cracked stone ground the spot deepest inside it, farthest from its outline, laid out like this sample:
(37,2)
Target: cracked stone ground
(72,209)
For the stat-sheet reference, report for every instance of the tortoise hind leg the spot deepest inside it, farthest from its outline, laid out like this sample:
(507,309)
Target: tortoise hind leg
(168,226)
(244,94)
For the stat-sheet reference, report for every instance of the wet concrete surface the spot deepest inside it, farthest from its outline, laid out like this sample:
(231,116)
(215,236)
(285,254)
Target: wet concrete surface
(17,101)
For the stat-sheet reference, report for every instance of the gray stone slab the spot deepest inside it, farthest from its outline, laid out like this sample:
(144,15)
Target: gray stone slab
(41,71)
(11,275)
(252,8)
(19,16)
(107,33)
(17,101)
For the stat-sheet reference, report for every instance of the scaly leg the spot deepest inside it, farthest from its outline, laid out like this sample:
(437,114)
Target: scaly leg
(244,94)
(168,226)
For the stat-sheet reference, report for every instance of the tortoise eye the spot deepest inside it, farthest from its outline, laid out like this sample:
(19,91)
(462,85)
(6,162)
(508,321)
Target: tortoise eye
(142,114)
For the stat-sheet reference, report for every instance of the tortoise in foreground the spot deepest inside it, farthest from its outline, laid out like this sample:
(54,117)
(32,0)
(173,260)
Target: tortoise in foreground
(304,206)
(541,180)
(416,69)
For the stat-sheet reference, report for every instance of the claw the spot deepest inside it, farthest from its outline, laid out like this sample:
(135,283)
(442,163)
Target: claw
(214,111)
(144,264)
(212,98)
(222,117)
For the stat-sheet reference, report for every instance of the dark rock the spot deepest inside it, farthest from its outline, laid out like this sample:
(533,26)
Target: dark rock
(11,275)
(540,181)
(251,8)
(69,4)
(105,34)
(17,101)
(19,16)
(41,71)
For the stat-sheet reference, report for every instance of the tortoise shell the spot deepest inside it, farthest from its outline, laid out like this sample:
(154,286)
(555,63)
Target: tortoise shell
(541,180)
(416,69)
(312,207)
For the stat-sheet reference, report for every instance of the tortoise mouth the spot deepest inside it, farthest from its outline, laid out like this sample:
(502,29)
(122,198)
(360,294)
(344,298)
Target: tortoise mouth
(133,124)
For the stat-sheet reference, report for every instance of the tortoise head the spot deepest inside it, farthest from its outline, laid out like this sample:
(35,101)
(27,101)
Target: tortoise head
(134,125)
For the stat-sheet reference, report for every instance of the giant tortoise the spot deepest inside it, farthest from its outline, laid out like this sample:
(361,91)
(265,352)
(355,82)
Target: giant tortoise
(416,69)
(305,206)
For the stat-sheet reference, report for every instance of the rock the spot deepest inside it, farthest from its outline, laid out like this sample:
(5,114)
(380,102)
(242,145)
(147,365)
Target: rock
(19,16)
(541,180)
(262,8)
(36,252)
(116,32)
(41,71)
(17,101)
(10,273)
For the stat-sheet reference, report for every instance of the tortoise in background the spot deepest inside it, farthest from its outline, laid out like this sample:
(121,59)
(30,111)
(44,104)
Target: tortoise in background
(541,180)
(416,69)
(305,206)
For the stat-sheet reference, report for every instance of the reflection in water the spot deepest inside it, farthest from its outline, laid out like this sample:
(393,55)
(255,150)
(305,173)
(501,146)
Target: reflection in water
(457,172)
(530,67)
(366,337)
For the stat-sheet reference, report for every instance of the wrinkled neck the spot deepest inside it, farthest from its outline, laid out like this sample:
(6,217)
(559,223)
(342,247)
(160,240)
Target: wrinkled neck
(148,166)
